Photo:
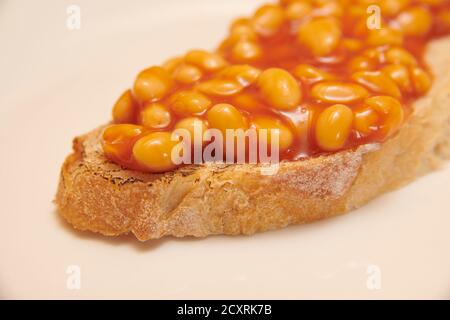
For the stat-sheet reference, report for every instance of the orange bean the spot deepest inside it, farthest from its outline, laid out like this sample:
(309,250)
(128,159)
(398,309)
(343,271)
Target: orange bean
(400,56)
(297,10)
(190,124)
(245,74)
(171,64)
(399,73)
(338,92)
(311,74)
(246,51)
(384,36)
(393,7)
(156,116)
(377,82)
(321,35)
(360,63)
(152,84)
(241,30)
(333,127)
(186,103)
(268,19)
(154,152)
(392,111)
(279,88)
(124,111)
(365,120)
(118,140)
(224,116)
(421,80)
(416,21)
(220,87)
(285,135)
(208,61)
(186,73)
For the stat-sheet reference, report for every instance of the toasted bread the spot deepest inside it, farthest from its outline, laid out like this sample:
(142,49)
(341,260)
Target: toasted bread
(97,195)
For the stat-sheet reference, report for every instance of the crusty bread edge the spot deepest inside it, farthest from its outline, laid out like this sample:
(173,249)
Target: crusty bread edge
(97,195)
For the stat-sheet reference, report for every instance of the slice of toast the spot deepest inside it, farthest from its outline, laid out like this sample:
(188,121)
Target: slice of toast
(97,195)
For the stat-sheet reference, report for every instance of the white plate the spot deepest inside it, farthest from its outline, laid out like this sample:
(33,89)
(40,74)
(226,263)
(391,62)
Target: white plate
(56,83)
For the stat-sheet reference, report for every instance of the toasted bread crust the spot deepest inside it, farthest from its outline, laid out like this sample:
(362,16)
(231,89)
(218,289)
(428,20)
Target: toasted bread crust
(97,195)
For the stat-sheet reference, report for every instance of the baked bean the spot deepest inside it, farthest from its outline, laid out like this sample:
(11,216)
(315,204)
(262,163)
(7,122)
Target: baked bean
(285,136)
(360,63)
(241,30)
(392,111)
(224,116)
(171,64)
(393,7)
(399,73)
(152,84)
(416,21)
(191,124)
(338,92)
(245,74)
(384,36)
(333,127)
(246,102)
(279,88)
(365,120)
(156,116)
(400,56)
(154,152)
(298,10)
(124,110)
(268,19)
(321,35)
(246,51)
(421,80)
(189,103)
(377,82)
(311,74)
(208,61)
(220,87)
(118,140)
(186,73)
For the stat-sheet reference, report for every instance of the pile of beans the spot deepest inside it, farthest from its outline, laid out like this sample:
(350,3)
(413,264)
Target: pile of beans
(311,69)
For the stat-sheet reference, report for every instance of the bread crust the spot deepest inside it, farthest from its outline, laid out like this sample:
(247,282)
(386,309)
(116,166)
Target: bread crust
(97,195)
